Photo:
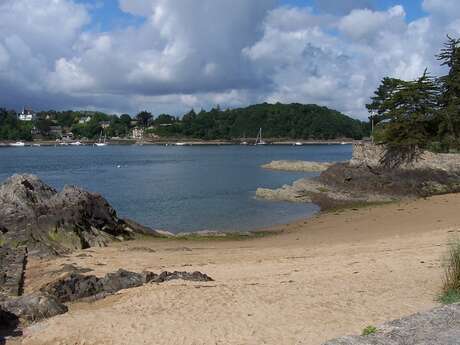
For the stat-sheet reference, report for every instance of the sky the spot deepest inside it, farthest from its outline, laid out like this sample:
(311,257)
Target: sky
(173,55)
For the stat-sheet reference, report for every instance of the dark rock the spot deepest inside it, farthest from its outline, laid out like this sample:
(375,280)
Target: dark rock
(12,265)
(49,301)
(8,321)
(440,326)
(34,307)
(394,182)
(113,282)
(73,287)
(77,286)
(51,222)
(167,276)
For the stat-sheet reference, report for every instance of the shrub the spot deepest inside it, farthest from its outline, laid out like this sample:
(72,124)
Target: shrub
(369,330)
(451,283)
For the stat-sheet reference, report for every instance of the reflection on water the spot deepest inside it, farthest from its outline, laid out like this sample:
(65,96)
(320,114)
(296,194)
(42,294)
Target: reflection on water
(176,188)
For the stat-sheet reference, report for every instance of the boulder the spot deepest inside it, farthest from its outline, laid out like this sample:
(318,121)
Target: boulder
(168,276)
(49,300)
(74,286)
(8,321)
(34,307)
(50,222)
(440,326)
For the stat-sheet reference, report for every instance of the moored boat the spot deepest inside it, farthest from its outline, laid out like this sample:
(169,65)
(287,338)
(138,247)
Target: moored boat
(18,144)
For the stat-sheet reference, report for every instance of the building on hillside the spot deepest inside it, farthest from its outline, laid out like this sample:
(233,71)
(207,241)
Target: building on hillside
(104,124)
(55,131)
(138,133)
(84,120)
(27,114)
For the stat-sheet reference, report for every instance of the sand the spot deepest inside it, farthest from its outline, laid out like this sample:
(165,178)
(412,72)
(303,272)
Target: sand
(328,276)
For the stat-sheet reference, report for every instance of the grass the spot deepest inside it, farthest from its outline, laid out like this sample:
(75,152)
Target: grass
(451,282)
(449,297)
(369,330)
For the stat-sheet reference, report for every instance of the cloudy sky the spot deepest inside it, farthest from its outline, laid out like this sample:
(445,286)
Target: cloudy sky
(173,55)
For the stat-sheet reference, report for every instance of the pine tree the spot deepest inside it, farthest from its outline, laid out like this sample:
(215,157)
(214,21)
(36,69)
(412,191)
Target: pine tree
(382,101)
(449,128)
(407,110)
(414,108)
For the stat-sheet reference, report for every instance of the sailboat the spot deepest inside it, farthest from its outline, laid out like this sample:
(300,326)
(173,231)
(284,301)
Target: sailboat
(259,140)
(244,142)
(101,142)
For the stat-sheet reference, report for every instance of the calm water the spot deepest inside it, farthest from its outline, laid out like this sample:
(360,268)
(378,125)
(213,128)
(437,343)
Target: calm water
(176,188)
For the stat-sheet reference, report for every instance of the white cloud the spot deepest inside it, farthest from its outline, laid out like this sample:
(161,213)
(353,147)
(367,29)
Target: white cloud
(367,24)
(198,54)
(447,8)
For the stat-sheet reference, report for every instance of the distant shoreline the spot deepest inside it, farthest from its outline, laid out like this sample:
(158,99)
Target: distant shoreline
(171,142)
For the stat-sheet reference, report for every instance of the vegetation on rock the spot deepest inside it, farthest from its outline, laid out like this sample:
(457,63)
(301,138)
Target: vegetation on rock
(410,116)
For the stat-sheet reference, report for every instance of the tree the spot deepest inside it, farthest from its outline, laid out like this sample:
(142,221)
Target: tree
(450,99)
(126,119)
(410,110)
(43,125)
(382,101)
(144,118)
(164,119)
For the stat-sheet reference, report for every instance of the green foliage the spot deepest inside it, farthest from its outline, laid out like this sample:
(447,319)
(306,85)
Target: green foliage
(279,121)
(449,297)
(144,118)
(383,101)
(369,330)
(293,121)
(13,129)
(420,114)
(410,109)
(451,283)
(450,100)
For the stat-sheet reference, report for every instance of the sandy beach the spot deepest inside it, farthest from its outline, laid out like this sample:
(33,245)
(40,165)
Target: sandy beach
(328,276)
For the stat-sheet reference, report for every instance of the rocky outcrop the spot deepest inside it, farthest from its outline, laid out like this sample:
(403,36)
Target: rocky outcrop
(34,307)
(300,166)
(49,300)
(34,215)
(77,286)
(326,196)
(440,326)
(366,179)
(394,182)
(371,155)
(8,322)
(12,266)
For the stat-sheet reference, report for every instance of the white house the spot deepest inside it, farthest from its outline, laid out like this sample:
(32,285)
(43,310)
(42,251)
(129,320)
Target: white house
(84,120)
(138,133)
(27,114)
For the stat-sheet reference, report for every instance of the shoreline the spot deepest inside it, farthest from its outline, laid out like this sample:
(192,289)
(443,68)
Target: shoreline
(364,266)
(183,142)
